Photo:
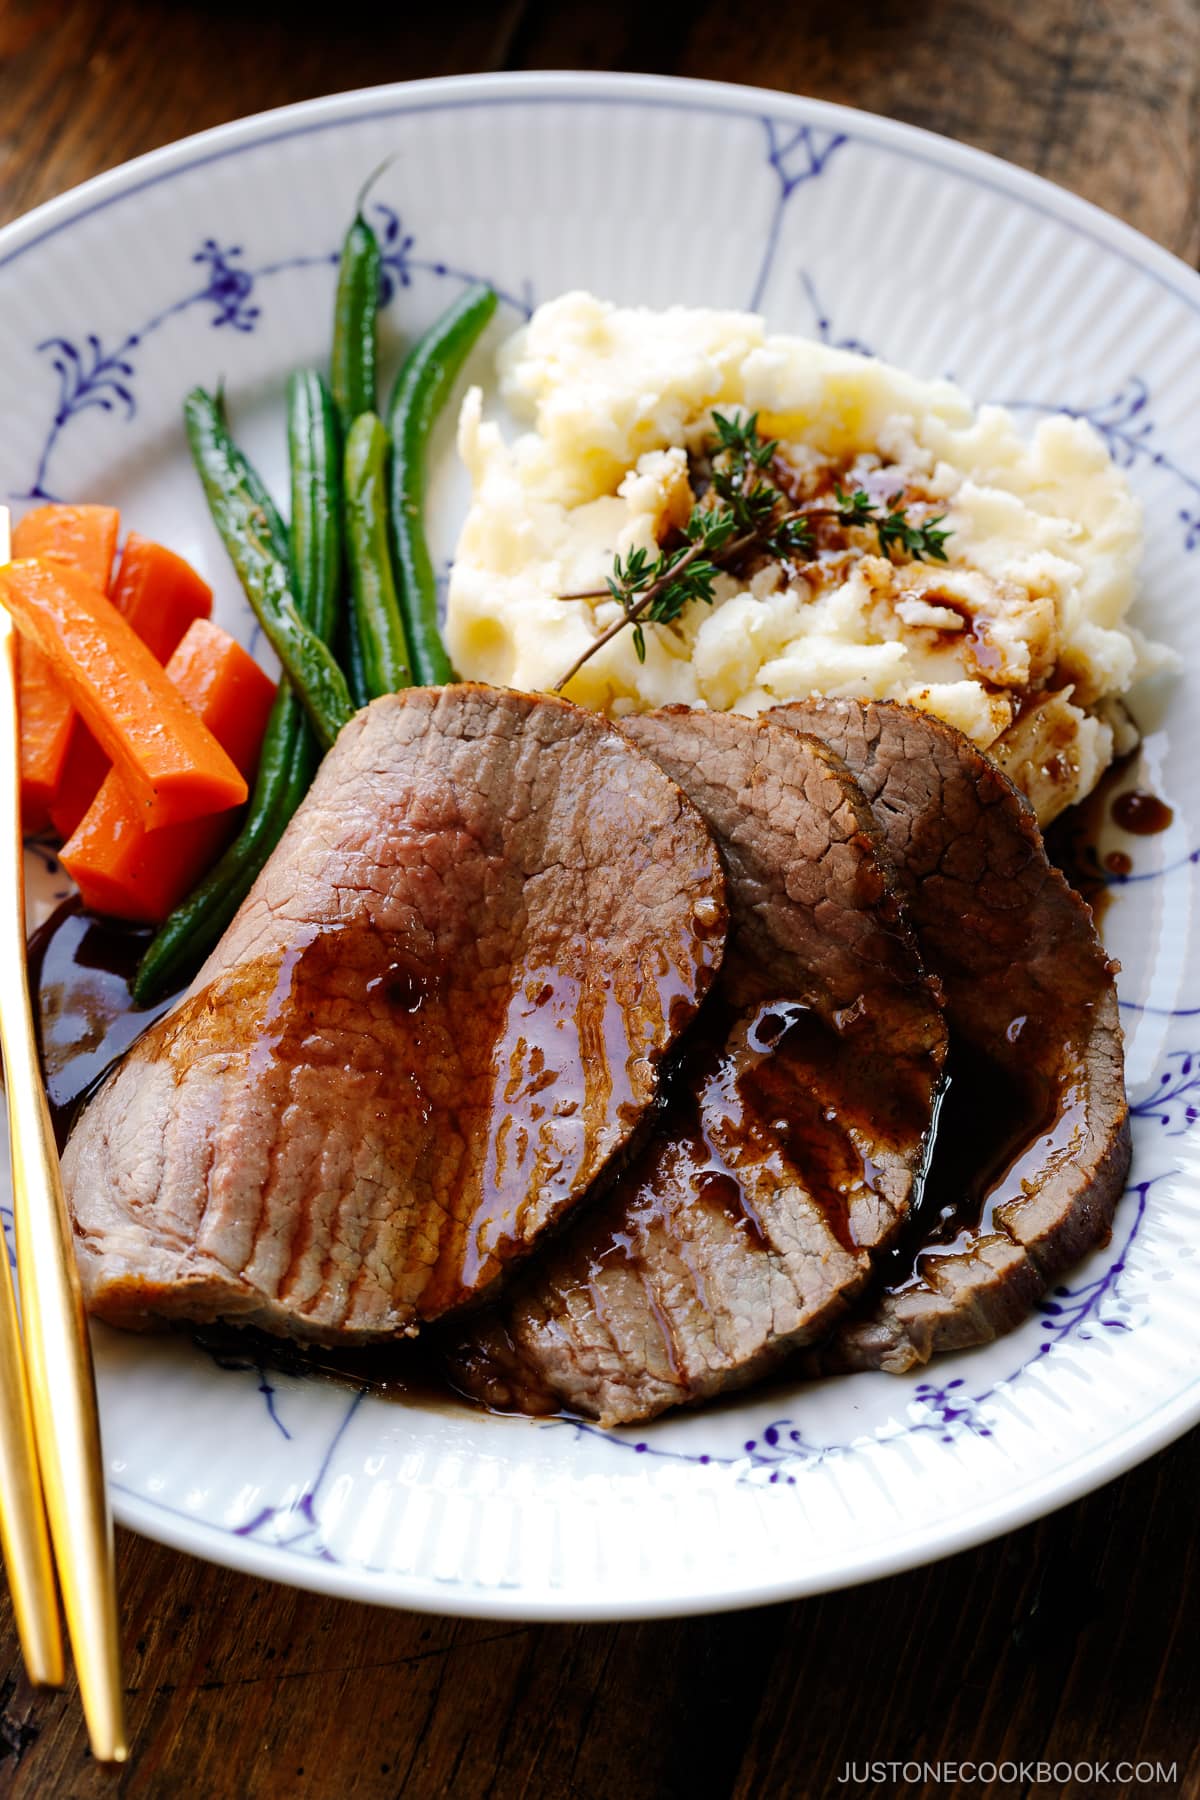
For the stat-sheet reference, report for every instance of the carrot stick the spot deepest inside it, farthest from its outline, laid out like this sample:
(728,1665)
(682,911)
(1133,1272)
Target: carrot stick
(224,684)
(47,720)
(172,765)
(62,765)
(129,872)
(83,771)
(159,595)
(83,536)
(86,537)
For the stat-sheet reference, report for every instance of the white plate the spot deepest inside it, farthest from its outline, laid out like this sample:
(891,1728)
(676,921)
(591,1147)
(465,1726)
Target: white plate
(215,258)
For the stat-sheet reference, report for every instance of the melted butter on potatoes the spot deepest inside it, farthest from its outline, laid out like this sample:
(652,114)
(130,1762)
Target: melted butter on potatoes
(1020,639)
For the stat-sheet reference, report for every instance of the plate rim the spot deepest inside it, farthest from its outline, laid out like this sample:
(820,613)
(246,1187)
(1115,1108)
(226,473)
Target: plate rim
(513,86)
(1044,1495)
(990,1517)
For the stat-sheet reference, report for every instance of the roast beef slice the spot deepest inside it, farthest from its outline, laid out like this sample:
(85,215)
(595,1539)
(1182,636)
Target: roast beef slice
(438,1016)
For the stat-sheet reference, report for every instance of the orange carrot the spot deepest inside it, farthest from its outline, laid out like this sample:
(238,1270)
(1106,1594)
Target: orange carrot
(85,537)
(158,593)
(47,718)
(224,684)
(172,765)
(83,770)
(132,873)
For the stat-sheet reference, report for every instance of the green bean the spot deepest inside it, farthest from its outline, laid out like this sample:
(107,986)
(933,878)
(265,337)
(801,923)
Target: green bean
(381,634)
(314,432)
(289,756)
(352,366)
(254,485)
(348,645)
(285,771)
(314,449)
(422,388)
(247,535)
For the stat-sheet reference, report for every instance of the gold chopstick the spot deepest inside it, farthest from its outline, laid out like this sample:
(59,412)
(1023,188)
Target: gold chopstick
(23,1537)
(58,1358)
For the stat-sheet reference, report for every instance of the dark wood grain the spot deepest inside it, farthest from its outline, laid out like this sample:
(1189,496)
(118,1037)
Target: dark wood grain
(1073,1640)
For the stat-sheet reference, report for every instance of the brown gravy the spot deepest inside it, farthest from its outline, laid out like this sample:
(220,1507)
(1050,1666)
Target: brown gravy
(764,1097)
(1072,844)
(80,971)
(986,1123)
(409,1370)
(1072,841)
(491,1103)
(1144,815)
(992,1125)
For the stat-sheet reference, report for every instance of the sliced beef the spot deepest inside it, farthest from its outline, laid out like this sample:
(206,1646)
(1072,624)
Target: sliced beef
(794,1126)
(437,1017)
(1033,1142)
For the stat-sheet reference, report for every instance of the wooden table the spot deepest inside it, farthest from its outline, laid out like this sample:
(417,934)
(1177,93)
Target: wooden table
(1071,1641)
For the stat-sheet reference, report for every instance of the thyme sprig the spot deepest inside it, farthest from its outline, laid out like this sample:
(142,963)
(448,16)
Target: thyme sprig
(749,513)
(924,543)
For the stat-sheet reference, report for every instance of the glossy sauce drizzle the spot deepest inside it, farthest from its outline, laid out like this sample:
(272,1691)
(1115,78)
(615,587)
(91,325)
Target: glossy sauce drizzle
(80,970)
(996,1129)
(489,1101)
(1072,841)
(1144,815)
(769,1099)
(408,1370)
(476,1098)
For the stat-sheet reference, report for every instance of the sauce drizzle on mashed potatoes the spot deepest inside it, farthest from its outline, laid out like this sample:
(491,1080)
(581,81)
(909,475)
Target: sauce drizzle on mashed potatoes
(1020,640)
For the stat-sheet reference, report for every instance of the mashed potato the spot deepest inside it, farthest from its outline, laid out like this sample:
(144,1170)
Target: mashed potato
(1019,639)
